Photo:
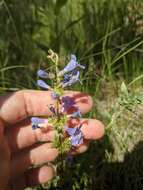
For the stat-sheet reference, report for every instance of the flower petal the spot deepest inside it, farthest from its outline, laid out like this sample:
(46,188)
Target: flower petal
(71,66)
(77,139)
(37,120)
(67,103)
(74,78)
(42,84)
(73,57)
(76,114)
(42,74)
(70,131)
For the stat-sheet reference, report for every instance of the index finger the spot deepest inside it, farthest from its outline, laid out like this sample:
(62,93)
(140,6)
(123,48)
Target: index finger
(21,104)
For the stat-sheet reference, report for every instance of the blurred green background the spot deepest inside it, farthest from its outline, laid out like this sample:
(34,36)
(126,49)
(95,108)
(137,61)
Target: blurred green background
(107,37)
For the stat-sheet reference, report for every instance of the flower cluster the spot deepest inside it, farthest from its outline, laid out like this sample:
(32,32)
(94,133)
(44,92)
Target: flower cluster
(67,136)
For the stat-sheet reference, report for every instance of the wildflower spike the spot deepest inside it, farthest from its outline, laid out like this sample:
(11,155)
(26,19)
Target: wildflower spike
(60,106)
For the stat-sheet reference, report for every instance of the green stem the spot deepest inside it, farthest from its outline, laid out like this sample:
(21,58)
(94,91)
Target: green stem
(61,167)
(60,132)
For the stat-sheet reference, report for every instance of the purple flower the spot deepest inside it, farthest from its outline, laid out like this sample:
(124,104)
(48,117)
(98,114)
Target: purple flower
(36,121)
(73,78)
(42,84)
(71,65)
(76,135)
(42,74)
(76,114)
(71,131)
(76,139)
(67,103)
(67,77)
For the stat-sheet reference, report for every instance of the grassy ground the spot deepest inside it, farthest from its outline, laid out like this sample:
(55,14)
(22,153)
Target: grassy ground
(106,36)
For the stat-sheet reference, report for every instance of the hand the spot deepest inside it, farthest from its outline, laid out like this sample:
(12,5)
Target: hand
(21,147)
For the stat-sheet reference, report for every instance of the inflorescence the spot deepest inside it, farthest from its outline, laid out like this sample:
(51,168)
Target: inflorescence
(66,137)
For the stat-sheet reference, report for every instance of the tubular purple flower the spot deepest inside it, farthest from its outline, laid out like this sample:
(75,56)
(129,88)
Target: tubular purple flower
(42,84)
(43,74)
(76,135)
(67,103)
(76,114)
(36,121)
(74,77)
(71,65)
(76,139)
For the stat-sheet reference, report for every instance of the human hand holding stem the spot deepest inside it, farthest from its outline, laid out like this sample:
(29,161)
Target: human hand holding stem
(19,144)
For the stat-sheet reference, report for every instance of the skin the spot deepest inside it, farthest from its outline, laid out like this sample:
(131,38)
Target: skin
(21,147)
